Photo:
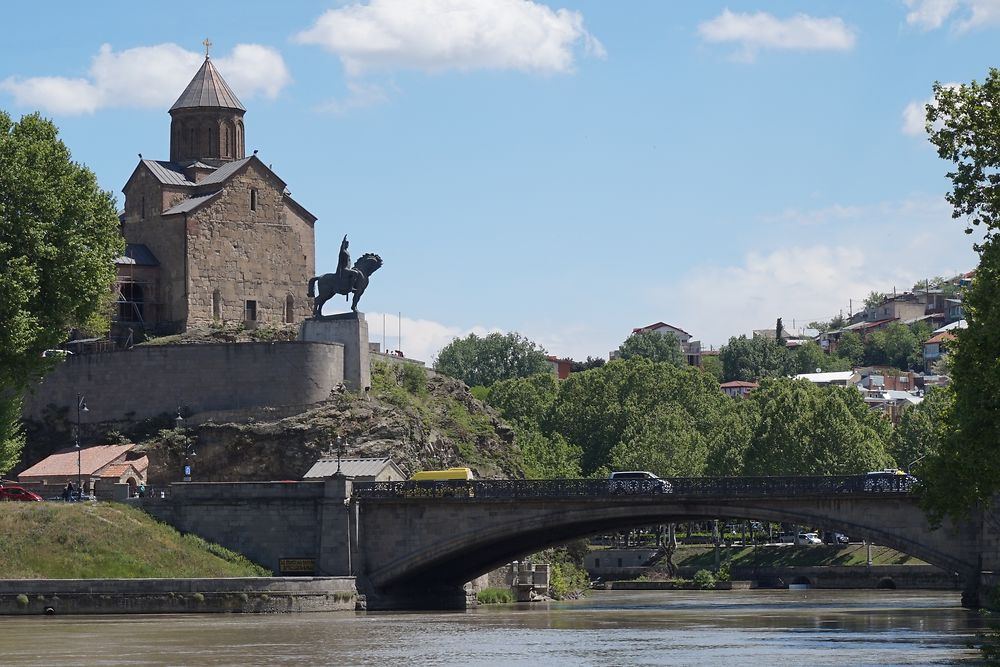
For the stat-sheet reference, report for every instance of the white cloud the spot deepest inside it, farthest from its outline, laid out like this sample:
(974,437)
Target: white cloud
(418,339)
(149,77)
(437,35)
(966,14)
(359,96)
(754,32)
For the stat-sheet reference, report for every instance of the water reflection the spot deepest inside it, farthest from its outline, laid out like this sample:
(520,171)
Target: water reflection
(608,628)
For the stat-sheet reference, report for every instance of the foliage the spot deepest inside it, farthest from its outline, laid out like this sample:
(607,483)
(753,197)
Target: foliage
(664,440)
(412,378)
(874,300)
(730,441)
(591,362)
(704,579)
(897,345)
(58,241)
(653,346)
(805,429)
(711,364)
(628,403)
(851,348)
(923,428)
(810,356)
(567,579)
(11,435)
(962,125)
(525,401)
(493,595)
(480,392)
(547,457)
(484,360)
(750,359)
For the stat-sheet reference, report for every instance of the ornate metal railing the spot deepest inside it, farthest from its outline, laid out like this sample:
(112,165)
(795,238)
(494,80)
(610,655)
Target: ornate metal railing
(686,487)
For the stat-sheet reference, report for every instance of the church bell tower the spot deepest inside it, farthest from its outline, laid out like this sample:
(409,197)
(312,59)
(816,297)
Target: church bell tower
(207,120)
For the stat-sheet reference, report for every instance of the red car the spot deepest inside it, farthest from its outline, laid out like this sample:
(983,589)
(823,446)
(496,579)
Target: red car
(18,493)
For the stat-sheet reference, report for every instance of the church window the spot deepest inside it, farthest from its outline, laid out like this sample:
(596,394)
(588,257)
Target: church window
(142,215)
(289,309)
(251,311)
(216,305)
(211,148)
(253,199)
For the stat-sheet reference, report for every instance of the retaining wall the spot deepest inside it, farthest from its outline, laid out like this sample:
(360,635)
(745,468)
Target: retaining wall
(170,596)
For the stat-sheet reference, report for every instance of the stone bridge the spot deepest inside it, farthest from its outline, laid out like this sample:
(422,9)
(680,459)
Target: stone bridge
(414,544)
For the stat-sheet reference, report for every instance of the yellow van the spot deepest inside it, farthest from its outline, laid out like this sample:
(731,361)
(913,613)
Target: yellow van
(450,473)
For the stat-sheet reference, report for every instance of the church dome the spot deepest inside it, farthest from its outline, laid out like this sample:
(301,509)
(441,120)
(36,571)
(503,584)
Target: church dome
(207,123)
(207,89)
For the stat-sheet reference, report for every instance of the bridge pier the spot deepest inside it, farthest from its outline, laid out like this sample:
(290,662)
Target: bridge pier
(433,597)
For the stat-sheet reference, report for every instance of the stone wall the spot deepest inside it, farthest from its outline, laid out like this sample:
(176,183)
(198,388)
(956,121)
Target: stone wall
(172,596)
(148,381)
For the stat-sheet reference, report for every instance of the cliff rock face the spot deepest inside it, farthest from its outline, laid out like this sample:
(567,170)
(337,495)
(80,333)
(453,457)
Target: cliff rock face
(421,423)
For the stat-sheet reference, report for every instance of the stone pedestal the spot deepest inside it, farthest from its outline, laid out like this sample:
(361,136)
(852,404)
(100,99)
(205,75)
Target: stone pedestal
(351,331)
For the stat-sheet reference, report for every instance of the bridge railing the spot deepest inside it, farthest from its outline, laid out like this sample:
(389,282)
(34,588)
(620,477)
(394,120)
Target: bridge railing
(695,487)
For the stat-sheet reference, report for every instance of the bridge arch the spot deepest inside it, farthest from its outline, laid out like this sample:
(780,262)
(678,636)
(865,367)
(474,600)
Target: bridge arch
(475,537)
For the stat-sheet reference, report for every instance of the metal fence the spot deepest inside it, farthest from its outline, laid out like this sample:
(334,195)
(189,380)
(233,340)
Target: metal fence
(686,487)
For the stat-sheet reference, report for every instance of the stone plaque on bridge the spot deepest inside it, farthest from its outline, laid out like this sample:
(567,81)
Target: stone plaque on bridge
(296,567)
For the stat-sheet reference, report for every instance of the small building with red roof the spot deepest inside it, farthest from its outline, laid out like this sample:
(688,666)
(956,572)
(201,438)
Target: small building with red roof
(737,388)
(98,468)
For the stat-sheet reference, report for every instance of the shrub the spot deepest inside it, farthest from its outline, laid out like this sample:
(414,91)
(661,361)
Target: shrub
(198,597)
(704,579)
(725,572)
(22,600)
(567,578)
(413,378)
(495,596)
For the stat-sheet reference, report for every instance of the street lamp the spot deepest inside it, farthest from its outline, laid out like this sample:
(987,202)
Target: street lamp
(340,454)
(909,468)
(81,406)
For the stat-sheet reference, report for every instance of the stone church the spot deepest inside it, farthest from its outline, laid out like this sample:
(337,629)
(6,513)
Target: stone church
(212,235)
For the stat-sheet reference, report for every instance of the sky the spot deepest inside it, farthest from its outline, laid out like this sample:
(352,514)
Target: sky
(569,169)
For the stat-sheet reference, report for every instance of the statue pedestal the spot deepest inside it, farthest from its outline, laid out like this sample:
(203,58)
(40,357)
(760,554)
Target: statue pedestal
(351,331)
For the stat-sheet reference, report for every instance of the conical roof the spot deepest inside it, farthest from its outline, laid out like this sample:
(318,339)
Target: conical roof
(207,89)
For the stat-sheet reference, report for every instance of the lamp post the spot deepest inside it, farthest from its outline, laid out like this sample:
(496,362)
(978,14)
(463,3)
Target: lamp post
(909,468)
(340,454)
(81,407)
(189,452)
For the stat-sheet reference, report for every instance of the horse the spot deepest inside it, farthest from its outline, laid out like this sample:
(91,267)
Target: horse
(355,281)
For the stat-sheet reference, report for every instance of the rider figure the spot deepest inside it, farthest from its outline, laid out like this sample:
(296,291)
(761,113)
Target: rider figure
(347,275)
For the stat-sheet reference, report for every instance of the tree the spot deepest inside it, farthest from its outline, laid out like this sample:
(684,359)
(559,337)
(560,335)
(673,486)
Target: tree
(665,441)
(875,299)
(962,125)
(850,348)
(809,356)
(653,346)
(923,429)
(484,360)
(805,429)
(547,457)
(749,359)
(711,364)
(591,362)
(525,401)
(58,241)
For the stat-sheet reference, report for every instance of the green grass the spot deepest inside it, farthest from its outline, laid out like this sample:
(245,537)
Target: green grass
(790,555)
(495,596)
(52,540)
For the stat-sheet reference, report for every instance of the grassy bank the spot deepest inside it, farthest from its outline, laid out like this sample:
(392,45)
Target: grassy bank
(54,540)
(790,555)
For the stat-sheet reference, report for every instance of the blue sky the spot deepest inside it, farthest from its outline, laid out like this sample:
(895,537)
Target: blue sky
(568,170)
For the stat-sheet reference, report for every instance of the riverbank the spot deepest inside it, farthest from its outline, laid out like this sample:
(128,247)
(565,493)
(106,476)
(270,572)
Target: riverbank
(247,595)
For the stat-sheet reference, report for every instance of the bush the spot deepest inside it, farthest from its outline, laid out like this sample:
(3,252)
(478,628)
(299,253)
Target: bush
(22,600)
(495,596)
(567,579)
(704,579)
(724,573)
(413,378)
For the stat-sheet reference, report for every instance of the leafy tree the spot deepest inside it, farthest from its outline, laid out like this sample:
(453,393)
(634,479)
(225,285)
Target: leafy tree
(810,356)
(591,362)
(653,346)
(58,240)
(749,359)
(922,429)
(850,348)
(484,360)
(665,441)
(875,299)
(711,364)
(805,429)
(547,457)
(525,401)
(730,441)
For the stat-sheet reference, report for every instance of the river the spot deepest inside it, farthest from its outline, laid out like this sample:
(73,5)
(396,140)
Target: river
(608,628)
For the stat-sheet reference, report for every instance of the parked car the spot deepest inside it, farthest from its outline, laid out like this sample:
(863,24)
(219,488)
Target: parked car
(637,481)
(18,493)
(808,539)
(836,538)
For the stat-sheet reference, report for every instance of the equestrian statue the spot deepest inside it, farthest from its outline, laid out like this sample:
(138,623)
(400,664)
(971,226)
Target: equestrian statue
(346,280)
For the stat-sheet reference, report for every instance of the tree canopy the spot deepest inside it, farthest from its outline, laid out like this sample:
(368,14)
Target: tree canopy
(653,346)
(750,359)
(484,360)
(58,241)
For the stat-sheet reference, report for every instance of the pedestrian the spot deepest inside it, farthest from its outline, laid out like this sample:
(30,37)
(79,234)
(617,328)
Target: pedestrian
(68,491)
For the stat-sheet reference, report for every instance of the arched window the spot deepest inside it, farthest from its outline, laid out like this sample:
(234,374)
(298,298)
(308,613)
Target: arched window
(216,305)
(211,149)
(289,309)
(253,199)
(239,140)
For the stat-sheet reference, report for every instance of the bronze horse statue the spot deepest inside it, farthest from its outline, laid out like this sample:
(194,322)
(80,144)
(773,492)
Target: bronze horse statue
(351,280)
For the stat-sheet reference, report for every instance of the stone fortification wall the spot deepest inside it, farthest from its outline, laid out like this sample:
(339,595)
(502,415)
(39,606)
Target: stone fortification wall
(150,381)
(173,596)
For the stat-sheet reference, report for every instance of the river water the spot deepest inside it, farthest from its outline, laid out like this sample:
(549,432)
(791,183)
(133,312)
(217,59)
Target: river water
(608,628)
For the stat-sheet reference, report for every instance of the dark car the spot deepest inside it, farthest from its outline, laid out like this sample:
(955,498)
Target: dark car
(889,480)
(18,493)
(637,482)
